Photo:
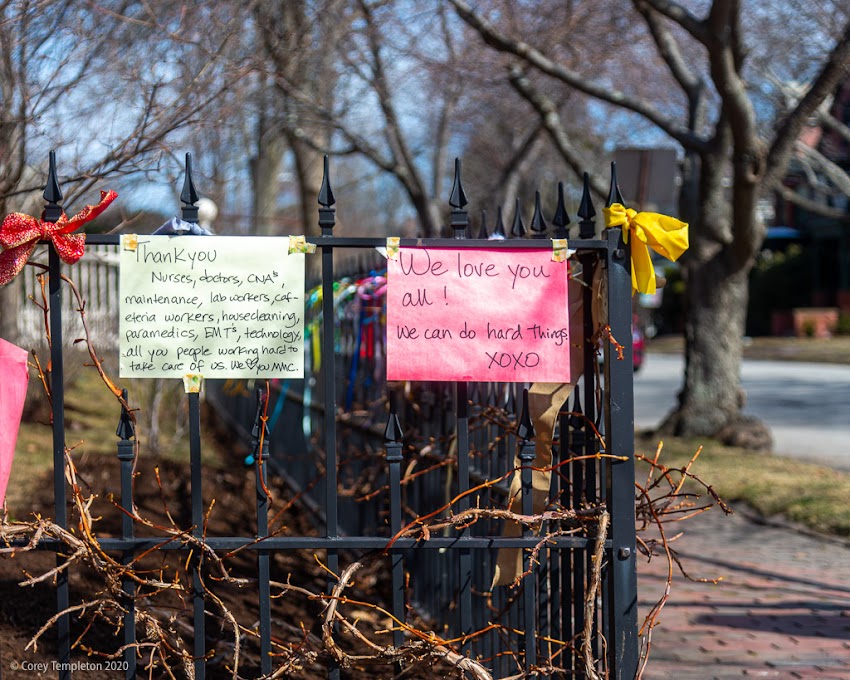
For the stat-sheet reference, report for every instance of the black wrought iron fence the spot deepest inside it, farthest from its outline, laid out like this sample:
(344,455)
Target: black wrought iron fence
(370,460)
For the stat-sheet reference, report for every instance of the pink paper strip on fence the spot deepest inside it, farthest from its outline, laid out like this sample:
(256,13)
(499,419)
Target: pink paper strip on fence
(13,392)
(484,315)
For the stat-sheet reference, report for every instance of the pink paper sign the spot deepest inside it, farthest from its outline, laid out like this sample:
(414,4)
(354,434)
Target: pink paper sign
(13,392)
(485,315)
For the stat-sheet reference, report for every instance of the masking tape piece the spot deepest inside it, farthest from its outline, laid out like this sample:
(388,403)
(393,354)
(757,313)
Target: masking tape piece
(392,247)
(298,244)
(560,252)
(130,241)
(192,383)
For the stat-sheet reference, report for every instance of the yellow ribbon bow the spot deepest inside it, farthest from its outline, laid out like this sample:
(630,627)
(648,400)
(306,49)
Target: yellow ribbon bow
(667,236)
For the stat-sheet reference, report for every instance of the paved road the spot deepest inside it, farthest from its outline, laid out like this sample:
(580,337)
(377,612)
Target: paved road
(807,406)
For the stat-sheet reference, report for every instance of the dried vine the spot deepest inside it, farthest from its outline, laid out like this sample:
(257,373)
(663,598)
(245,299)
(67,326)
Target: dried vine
(163,589)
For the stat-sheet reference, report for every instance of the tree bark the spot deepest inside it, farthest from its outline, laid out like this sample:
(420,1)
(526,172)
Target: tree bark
(712,398)
(265,169)
(717,303)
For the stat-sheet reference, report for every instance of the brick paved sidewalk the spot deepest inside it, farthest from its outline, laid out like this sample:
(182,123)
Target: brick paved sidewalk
(781,611)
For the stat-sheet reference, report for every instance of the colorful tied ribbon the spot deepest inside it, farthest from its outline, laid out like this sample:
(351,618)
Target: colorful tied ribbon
(667,236)
(19,235)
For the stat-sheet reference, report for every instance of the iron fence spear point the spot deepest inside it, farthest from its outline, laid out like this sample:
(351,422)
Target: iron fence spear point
(125,423)
(482,231)
(499,230)
(614,195)
(517,228)
(326,194)
(538,224)
(586,211)
(525,428)
(458,196)
(392,432)
(52,193)
(189,195)
(561,218)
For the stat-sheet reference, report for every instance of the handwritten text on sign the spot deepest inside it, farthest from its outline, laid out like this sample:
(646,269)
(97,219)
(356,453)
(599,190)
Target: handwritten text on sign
(218,306)
(463,314)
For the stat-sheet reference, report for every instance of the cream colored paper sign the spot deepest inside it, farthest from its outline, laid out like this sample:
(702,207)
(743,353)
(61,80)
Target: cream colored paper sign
(215,306)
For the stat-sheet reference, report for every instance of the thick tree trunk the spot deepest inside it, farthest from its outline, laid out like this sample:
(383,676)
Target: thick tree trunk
(712,398)
(308,166)
(265,170)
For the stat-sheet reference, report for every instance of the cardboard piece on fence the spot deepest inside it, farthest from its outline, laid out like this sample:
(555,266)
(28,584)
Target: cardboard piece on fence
(545,401)
(13,392)
(217,306)
(477,314)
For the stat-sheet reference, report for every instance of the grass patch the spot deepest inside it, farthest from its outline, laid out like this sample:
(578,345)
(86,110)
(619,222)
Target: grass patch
(834,350)
(808,494)
(91,418)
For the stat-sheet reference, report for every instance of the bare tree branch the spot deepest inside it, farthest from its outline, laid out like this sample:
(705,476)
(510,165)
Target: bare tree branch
(669,50)
(834,68)
(551,120)
(501,42)
(675,12)
(837,175)
(811,205)
(830,122)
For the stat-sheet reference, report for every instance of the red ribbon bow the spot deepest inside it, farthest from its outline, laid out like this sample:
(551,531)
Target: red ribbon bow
(19,235)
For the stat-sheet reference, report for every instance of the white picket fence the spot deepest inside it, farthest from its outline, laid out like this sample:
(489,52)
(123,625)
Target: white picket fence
(96,277)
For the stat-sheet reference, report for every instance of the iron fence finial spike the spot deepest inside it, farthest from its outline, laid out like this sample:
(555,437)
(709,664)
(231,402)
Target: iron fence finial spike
(482,232)
(457,199)
(525,429)
(538,224)
(614,195)
(510,400)
(52,192)
(561,218)
(499,230)
(258,417)
(586,211)
(576,421)
(326,194)
(517,228)
(189,194)
(392,432)
(125,429)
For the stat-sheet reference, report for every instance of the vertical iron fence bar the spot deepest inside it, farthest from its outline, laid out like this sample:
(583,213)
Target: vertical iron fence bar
(327,220)
(614,196)
(577,439)
(560,559)
(587,228)
(189,213)
(52,212)
(260,435)
(393,446)
(566,583)
(619,433)
(199,643)
(525,435)
(126,451)
(459,225)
